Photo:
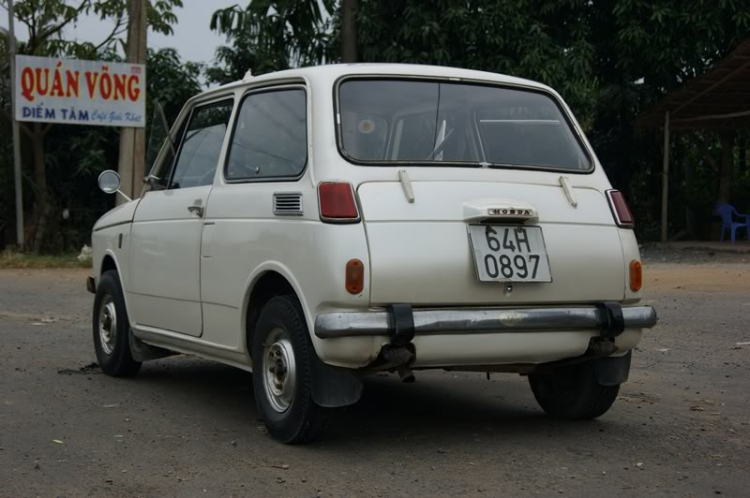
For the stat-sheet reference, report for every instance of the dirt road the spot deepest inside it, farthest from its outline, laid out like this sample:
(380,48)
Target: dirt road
(188,427)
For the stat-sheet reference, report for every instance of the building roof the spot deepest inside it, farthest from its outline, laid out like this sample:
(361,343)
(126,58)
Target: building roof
(718,99)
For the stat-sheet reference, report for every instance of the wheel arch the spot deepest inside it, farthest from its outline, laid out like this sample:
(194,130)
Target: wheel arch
(110,262)
(331,386)
(268,281)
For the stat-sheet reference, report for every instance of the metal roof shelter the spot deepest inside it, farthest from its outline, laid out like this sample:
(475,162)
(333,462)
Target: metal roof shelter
(717,100)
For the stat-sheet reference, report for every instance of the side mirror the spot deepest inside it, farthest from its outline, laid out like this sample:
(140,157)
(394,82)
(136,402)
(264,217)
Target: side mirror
(109,183)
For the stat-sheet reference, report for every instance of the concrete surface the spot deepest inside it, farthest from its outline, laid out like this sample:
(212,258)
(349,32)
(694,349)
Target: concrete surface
(188,427)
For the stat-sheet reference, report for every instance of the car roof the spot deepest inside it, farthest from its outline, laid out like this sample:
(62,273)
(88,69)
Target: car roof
(331,72)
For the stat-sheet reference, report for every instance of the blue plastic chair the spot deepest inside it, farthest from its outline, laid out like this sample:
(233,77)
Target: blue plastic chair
(727,214)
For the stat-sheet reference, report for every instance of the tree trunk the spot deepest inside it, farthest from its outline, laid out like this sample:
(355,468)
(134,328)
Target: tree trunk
(725,169)
(41,209)
(349,30)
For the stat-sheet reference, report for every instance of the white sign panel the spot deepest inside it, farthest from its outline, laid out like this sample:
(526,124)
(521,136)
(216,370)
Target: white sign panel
(72,91)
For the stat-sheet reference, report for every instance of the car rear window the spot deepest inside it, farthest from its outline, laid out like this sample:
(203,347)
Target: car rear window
(385,121)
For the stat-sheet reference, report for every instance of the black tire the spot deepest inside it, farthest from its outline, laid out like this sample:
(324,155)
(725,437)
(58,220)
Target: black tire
(112,353)
(291,416)
(572,392)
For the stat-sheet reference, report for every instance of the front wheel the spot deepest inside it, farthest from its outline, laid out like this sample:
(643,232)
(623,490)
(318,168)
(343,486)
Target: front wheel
(112,329)
(572,392)
(282,373)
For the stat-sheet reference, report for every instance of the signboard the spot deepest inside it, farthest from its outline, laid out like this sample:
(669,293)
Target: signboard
(69,91)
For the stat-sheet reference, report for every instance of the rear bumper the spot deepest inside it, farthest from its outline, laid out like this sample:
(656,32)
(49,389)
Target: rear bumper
(608,320)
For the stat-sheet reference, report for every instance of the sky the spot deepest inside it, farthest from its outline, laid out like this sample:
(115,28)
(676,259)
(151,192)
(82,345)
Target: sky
(192,36)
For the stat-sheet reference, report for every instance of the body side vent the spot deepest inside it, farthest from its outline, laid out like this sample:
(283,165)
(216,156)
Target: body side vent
(287,204)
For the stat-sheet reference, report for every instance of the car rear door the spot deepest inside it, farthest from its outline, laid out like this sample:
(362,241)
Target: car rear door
(421,252)
(168,225)
(498,201)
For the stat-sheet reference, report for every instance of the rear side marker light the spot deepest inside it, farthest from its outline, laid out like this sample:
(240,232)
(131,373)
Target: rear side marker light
(636,275)
(355,276)
(620,210)
(337,203)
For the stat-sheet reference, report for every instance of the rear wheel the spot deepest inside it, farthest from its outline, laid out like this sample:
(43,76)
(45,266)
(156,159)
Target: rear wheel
(572,392)
(282,373)
(112,329)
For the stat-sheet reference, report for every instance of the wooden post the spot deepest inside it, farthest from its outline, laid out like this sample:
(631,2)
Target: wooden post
(133,140)
(665,180)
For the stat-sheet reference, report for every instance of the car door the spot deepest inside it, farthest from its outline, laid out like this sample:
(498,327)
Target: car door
(168,224)
(261,211)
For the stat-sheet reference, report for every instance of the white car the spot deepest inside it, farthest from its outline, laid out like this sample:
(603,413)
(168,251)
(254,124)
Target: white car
(317,225)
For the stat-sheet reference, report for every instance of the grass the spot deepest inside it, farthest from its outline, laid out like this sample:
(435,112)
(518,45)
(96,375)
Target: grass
(19,260)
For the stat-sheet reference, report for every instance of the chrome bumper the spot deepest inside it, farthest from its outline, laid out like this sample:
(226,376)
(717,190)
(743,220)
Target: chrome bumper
(481,321)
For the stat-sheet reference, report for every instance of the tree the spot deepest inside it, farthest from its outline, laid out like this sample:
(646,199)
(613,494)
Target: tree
(46,21)
(270,35)
(610,59)
(642,50)
(545,40)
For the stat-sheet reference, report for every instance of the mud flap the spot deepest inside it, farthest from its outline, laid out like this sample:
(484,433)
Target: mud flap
(334,387)
(613,371)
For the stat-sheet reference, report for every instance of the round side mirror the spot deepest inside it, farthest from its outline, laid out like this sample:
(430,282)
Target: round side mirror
(109,181)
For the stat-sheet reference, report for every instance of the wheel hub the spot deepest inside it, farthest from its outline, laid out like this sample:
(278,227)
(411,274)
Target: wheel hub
(279,370)
(107,325)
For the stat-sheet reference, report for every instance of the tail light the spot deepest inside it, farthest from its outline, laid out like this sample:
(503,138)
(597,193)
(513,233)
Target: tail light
(355,276)
(620,210)
(337,204)
(636,275)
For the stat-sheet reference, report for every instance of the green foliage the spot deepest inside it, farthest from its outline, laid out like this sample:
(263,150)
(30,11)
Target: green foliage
(270,35)
(171,82)
(643,50)
(544,40)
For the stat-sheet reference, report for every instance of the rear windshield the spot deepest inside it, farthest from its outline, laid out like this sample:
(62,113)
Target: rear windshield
(428,122)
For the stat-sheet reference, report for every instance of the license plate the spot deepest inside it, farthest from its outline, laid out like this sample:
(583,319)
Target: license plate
(509,253)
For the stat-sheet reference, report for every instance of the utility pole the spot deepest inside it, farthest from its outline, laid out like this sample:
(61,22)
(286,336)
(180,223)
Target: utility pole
(133,140)
(14,124)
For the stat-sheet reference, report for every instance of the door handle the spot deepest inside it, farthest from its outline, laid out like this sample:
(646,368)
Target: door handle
(197,210)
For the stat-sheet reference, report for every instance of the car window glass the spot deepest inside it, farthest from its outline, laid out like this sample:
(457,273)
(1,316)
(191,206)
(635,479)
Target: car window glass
(163,169)
(270,137)
(396,121)
(201,146)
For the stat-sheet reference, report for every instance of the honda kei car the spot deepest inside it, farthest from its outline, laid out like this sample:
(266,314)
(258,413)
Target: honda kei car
(317,225)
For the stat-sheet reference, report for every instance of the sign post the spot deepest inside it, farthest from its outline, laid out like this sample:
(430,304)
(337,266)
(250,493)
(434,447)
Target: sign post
(16,134)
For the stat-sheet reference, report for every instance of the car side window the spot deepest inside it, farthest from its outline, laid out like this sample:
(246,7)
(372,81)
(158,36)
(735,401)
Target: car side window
(270,136)
(163,169)
(201,145)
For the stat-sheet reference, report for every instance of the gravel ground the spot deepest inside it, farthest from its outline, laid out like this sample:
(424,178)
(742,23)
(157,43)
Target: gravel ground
(188,427)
